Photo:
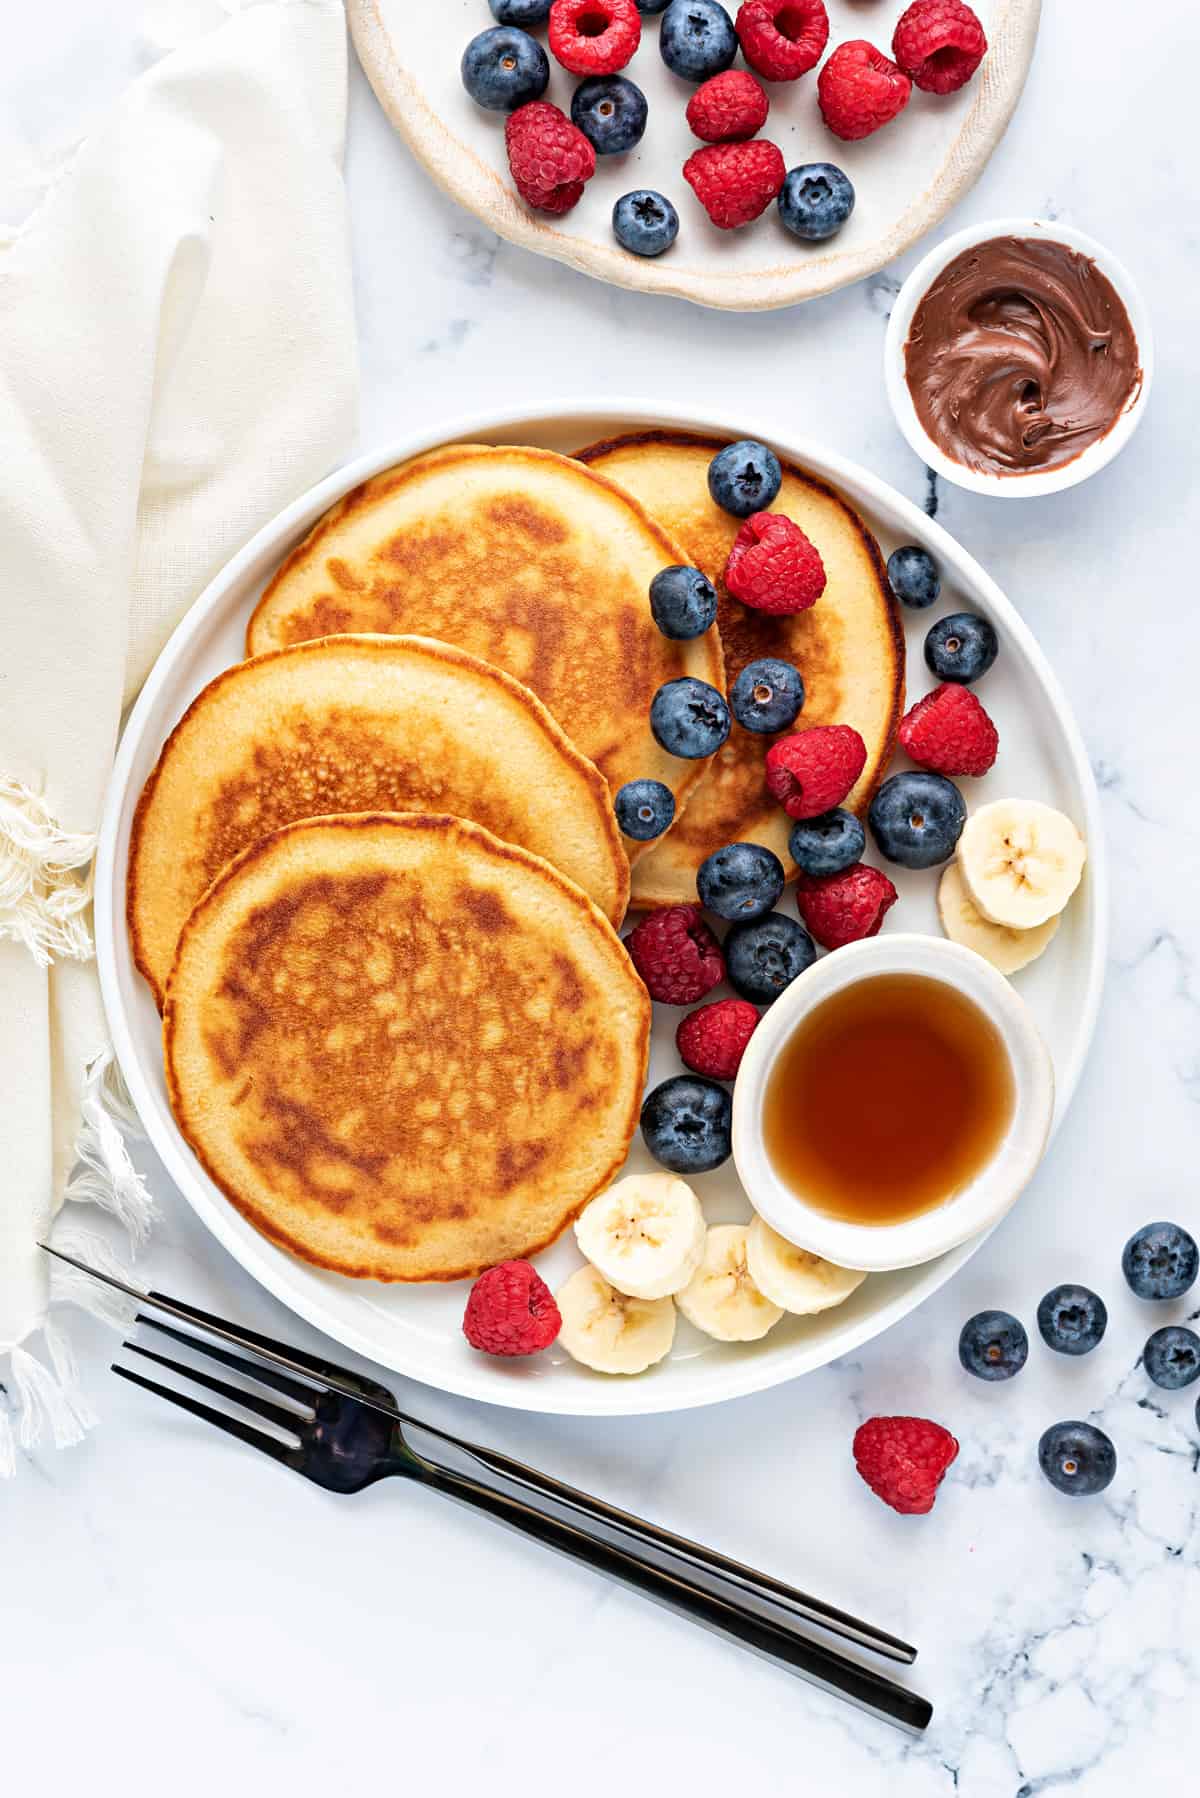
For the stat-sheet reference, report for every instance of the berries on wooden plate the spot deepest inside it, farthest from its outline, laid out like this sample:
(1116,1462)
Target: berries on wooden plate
(504,68)
(782,39)
(728,108)
(594,37)
(859,90)
(939,44)
(611,112)
(735,183)
(815,201)
(520,12)
(697,39)
(645,222)
(551,160)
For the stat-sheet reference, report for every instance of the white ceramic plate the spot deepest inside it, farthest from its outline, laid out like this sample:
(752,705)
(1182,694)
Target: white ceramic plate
(416,1329)
(906,177)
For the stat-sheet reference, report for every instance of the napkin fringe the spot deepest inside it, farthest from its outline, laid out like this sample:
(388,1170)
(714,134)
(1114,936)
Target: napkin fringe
(45,883)
(43,1394)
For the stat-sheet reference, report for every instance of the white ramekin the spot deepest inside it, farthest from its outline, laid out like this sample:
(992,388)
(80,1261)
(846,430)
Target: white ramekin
(987,1197)
(1050,480)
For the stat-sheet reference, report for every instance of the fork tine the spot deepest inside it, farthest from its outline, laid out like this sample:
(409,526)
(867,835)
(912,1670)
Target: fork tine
(233,1426)
(332,1371)
(254,1370)
(249,1401)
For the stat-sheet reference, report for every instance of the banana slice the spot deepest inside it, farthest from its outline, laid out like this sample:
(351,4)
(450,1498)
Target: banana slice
(607,1331)
(645,1234)
(791,1277)
(1021,861)
(962,921)
(722,1299)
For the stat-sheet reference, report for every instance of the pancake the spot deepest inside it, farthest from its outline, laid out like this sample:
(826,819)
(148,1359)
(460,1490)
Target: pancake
(521,557)
(403,1049)
(849,647)
(359,724)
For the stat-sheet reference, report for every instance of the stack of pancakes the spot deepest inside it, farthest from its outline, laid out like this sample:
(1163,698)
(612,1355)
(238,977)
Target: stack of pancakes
(375,878)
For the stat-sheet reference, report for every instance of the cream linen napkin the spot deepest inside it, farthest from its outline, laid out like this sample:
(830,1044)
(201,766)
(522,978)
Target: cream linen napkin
(177,361)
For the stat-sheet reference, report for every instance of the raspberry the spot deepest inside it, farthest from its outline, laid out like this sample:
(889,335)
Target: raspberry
(773,566)
(511,1311)
(903,1460)
(727,107)
(950,732)
(782,39)
(843,908)
(735,182)
(940,43)
(713,1040)
(859,90)
(550,158)
(677,955)
(813,770)
(594,37)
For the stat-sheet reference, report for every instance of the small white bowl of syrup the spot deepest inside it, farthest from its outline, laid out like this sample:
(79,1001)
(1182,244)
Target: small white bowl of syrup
(893,1102)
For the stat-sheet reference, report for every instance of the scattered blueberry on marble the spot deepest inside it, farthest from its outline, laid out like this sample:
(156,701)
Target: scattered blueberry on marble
(765,955)
(1171,1357)
(1077,1458)
(1072,1320)
(683,602)
(686,1124)
(913,575)
(815,200)
(744,477)
(739,881)
(993,1345)
(521,12)
(611,112)
(917,819)
(961,647)
(828,843)
(645,222)
(689,718)
(644,809)
(697,39)
(767,695)
(504,68)
(1160,1261)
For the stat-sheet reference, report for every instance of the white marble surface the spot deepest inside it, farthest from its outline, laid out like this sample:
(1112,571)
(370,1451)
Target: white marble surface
(175,1613)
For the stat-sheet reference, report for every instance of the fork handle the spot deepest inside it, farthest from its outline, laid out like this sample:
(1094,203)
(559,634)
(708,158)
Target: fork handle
(687,1558)
(815,1661)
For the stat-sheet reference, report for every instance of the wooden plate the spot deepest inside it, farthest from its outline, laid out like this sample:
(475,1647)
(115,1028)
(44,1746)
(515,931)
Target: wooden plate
(906,177)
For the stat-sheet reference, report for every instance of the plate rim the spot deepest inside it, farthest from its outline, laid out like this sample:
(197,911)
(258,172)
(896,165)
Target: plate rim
(475,185)
(741,1377)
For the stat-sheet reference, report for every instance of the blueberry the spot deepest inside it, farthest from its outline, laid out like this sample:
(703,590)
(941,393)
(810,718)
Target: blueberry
(827,844)
(1072,1320)
(686,1123)
(611,113)
(961,647)
(683,602)
(1077,1458)
(645,222)
(503,68)
(764,955)
(767,695)
(913,576)
(744,477)
(742,880)
(652,6)
(1160,1261)
(689,718)
(1172,1357)
(993,1346)
(697,39)
(815,200)
(644,809)
(916,819)
(521,12)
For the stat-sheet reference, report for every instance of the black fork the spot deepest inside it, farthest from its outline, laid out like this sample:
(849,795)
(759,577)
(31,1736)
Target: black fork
(344,1432)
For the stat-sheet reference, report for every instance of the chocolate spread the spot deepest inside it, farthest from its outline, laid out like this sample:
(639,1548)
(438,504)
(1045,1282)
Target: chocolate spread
(1019,356)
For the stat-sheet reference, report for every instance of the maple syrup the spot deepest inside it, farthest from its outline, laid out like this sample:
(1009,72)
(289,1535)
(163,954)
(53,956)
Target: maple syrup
(887,1099)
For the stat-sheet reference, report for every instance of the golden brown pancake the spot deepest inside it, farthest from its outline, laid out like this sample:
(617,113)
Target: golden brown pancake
(522,557)
(359,724)
(849,647)
(403,1049)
